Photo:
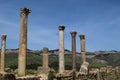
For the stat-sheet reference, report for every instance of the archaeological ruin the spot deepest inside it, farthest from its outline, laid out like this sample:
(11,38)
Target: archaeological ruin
(3,48)
(23,41)
(44,72)
(61,49)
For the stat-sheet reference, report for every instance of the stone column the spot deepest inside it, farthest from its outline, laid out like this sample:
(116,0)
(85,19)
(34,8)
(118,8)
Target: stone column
(3,49)
(23,41)
(45,57)
(84,66)
(73,34)
(61,49)
(82,38)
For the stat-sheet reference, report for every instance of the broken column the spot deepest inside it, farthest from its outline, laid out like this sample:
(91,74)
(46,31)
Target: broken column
(23,41)
(45,57)
(44,71)
(61,49)
(73,34)
(3,49)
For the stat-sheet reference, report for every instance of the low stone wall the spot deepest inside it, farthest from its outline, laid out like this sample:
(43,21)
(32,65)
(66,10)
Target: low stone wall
(8,76)
(104,73)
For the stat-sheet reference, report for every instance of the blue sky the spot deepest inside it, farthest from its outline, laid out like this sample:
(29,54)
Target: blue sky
(99,20)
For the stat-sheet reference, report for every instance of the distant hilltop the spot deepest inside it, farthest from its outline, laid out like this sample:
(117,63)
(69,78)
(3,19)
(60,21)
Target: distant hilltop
(55,51)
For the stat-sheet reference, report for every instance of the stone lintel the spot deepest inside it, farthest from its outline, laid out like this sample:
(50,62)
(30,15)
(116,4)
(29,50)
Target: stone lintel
(61,27)
(82,36)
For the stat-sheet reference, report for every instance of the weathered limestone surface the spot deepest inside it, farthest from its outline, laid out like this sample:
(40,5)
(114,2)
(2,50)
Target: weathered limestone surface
(45,57)
(44,72)
(82,39)
(61,49)
(3,49)
(23,41)
(84,66)
(73,34)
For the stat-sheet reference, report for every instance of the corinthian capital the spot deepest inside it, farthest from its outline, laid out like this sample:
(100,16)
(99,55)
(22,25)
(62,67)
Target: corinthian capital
(73,33)
(25,11)
(4,36)
(61,27)
(82,36)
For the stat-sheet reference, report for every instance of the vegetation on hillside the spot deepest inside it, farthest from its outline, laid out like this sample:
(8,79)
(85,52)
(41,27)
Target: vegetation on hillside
(34,60)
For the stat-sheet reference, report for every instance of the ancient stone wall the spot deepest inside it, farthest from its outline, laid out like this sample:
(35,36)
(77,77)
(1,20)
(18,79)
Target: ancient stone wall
(8,76)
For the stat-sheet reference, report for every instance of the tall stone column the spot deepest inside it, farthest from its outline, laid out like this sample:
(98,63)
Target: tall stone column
(84,66)
(61,49)
(45,58)
(23,41)
(73,34)
(82,38)
(3,51)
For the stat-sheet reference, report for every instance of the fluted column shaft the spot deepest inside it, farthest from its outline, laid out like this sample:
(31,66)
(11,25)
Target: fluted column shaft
(61,50)
(82,38)
(73,34)
(3,51)
(45,57)
(23,41)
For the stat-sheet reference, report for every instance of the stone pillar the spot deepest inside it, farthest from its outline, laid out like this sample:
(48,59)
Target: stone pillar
(45,57)
(82,38)
(73,34)
(61,49)
(23,42)
(3,49)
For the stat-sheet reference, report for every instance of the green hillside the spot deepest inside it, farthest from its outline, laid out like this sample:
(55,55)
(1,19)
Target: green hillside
(34,59)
